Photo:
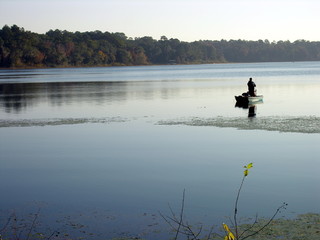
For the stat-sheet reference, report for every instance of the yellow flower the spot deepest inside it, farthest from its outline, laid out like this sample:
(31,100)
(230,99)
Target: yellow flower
(246,172)
(250,165)
(229,235)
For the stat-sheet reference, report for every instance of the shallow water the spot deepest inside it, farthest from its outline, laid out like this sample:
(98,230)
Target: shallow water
(107,148)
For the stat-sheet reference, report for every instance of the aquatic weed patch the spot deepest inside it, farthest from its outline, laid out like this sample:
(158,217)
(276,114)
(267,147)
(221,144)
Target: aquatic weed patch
(57,121)
(303,227)
(304,124)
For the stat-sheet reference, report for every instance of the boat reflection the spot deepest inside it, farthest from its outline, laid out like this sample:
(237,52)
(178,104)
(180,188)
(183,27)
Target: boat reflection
(252,111)
(252,108)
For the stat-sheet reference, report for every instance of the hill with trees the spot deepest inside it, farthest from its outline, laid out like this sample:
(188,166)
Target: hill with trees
(56,48)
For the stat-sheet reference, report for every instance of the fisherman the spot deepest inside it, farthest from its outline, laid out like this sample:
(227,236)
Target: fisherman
(251,87)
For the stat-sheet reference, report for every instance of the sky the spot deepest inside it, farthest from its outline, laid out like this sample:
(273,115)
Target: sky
(186,20)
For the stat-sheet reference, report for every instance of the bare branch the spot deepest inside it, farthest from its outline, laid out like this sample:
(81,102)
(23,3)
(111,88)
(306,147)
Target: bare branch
(283,206)
(33,224)
(7,223)
(181,213)
(248,229)
(210,232)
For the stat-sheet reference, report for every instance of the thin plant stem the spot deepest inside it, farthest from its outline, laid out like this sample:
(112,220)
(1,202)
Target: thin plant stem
(236,209)
(181,213)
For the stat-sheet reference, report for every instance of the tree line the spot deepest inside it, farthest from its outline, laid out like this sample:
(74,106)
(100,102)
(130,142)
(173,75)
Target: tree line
(56,48)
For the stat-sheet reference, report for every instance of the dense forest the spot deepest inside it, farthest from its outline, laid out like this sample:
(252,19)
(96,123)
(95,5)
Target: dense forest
(56,48)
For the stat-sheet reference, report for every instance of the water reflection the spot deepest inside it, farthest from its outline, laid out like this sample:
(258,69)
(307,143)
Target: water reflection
(15,98)
(252,111)
(65,158)
(252,108)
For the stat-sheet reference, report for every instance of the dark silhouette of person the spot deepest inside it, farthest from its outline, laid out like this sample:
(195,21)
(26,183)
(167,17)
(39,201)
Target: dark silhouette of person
(252,111)
(251,86)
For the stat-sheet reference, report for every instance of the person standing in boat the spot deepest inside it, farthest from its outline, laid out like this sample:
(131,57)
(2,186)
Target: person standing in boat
(251,87)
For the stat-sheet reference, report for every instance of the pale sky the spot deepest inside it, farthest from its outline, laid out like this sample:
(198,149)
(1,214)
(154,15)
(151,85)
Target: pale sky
(187,20)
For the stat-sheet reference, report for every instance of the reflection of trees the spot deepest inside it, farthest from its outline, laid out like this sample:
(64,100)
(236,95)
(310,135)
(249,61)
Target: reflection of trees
(19,96)
(83,92)
(14,97)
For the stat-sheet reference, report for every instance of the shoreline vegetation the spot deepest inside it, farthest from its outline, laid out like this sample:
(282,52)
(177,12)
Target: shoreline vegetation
(302,226)
(21,49)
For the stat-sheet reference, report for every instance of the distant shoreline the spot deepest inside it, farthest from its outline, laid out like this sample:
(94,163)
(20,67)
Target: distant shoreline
(106,66)
(122,65)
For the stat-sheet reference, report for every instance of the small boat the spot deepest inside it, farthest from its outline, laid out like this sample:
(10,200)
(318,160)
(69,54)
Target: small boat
(246,99)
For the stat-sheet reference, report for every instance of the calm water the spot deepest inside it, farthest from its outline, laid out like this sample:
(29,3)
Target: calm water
(99,150)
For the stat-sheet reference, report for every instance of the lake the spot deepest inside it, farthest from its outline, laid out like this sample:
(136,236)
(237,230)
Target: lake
(101,152)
